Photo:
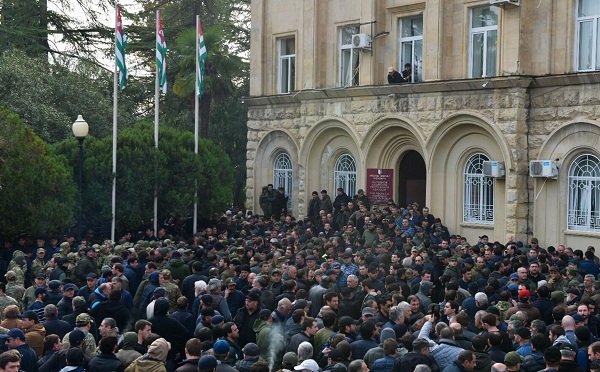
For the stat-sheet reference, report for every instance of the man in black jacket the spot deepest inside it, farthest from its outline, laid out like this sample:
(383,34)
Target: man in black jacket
(419,355)
(106,360)
(394,76)
(58,360)
(245,317)
(113,308)
(168,328)
(53,325)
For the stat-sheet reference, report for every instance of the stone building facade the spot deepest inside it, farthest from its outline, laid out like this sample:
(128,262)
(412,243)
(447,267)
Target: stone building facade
(510,84)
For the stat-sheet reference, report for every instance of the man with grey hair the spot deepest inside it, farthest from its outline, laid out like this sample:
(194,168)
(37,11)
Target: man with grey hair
(108,327)
(219,303)
(499,367)
(481,299)
(513,325)
(396,316)
(567,359)
(422,368)
(538,326)
(589,288)
(305,351)
(405,308)
(358,365)
(52,324)
(477,321)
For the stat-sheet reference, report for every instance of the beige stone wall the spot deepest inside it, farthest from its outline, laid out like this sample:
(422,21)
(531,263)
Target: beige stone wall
(513,124)
(536,109)
(534,39)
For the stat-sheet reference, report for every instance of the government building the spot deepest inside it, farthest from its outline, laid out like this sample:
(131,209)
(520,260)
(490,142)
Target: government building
(495,125)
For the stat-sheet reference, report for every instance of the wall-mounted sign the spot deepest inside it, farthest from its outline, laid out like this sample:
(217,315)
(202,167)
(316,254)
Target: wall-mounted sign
(380,183)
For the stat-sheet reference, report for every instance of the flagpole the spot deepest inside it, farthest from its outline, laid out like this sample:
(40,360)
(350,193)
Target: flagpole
(156,99)
(114,142)
(196,116)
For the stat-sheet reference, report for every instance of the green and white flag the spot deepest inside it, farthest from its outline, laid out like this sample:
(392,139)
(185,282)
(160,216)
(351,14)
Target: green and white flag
(120,45)
(161,55)
(202,54)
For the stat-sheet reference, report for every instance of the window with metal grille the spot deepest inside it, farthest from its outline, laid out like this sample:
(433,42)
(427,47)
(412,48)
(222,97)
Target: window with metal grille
(584,194)
(478,202)
(283,175)
(345,174)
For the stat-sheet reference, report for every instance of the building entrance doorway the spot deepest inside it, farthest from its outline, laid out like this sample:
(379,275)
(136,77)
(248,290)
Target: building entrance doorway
(412,180)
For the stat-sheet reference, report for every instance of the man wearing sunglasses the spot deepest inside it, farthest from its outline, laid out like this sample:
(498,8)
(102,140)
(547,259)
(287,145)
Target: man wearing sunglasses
(15,340)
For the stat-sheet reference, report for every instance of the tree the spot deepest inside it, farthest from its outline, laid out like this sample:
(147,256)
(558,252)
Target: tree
(37,192)
(48,98)
(222,70)
(172,170)
(228,129)
(43,28)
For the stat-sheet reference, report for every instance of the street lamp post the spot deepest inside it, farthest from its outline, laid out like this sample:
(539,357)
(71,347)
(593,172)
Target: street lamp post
(80,131)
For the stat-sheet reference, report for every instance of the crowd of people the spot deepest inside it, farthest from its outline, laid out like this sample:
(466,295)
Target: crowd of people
(354,286)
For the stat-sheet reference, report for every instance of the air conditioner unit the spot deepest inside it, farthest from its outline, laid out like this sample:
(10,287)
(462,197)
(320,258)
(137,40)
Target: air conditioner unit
(543,168)
(494,169)
(504,2)
(361,41)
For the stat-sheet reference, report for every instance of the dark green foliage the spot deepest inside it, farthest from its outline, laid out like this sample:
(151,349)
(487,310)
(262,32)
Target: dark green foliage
(38,195)
(48,98)
(173,169)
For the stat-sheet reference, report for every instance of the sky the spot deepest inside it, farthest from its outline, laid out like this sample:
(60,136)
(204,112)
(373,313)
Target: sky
(107,19)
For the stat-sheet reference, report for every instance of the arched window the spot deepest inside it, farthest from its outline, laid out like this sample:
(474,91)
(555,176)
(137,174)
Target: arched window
(283,175)
(584,193)
(478,202)
(345,174)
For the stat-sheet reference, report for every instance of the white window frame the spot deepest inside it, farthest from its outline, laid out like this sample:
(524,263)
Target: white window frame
(584,194)
(283,175)
(478,191)
(482,30)
(285,63)
(417,73)
(344,174)
(348,77)
(594,53)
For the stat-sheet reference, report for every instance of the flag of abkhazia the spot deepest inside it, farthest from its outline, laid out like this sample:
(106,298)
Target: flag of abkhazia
(161,55)
(202,54)
(120,45)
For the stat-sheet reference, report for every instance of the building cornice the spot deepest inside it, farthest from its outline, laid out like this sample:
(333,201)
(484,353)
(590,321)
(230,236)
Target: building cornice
(502,82)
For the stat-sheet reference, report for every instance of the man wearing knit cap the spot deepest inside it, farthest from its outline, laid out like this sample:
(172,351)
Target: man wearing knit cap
(207,363)
(221,350)
(524,305)
(251,352)
(522,336)
(57,361)
(377,352)
(246,316)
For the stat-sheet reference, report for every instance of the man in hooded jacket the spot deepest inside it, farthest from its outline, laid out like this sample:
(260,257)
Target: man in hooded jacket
(154,360)
(146,296)
(168,328)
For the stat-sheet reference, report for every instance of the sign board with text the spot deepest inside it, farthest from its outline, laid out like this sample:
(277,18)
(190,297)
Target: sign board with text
(380,183)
